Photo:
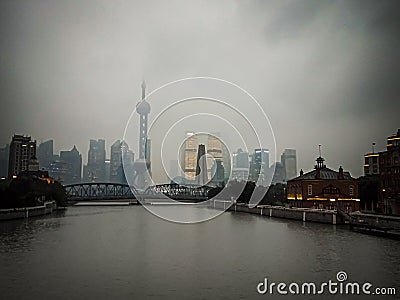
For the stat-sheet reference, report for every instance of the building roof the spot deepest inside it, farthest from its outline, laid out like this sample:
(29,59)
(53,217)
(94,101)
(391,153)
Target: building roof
(325,174)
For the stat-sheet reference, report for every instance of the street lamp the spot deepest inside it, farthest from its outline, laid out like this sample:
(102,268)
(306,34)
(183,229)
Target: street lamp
(384,200)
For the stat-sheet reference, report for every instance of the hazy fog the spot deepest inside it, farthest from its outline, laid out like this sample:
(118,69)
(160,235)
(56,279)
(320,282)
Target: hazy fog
(325,72)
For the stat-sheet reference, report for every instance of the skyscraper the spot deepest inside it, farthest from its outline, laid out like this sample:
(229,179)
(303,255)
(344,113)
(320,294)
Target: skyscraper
(214,146)
(107,173)
(241,164)
(190,155)
(259,166)
(22,150)
(201,166)
(120,156)
(96,166)
(219,173)
(226,161)
(73,161)
(214,149)
(45,154)
(289,162)
(217,149)
(127,172)
(116,162)
(60,171)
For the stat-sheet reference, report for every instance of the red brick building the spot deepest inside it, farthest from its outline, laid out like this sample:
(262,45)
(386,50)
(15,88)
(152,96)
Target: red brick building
(389,173)
(324,188)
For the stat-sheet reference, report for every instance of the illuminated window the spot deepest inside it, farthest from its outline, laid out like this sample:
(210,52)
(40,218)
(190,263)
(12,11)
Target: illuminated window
(310,190)
(351,190)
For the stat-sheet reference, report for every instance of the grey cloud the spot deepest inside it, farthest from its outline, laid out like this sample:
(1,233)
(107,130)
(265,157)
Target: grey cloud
(325,71)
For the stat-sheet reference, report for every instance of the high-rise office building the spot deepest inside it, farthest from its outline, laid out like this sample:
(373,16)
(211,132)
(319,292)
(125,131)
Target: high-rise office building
(219,173)
(73,161)
(242,159)
(60,171)
(214,149)
(259,166)
(116,162)
(22,150)
(121,157)
(96,166)
(4,154)
(214,146)
(241,164)
(289,162)
(190,155)
(127,172)
(217,150)
(107,174)
(201,166)
(45,154)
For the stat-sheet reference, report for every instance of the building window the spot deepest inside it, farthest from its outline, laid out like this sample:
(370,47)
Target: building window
(331,190)
(351,190)
(310,190)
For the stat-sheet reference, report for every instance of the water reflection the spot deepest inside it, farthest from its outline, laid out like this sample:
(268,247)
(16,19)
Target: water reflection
(18,235)
(128,253)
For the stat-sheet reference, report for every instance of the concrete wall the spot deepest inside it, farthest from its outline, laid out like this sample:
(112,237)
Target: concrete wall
(306,215)
(379,220)
(27,212)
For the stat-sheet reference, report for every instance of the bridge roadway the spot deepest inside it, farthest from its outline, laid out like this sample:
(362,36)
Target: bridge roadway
(107,192)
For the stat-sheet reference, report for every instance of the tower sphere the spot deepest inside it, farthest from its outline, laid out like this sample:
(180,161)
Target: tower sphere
(143,108)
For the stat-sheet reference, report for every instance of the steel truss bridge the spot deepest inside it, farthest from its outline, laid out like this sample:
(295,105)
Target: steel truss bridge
(178,192)
(98,191)
(120,191)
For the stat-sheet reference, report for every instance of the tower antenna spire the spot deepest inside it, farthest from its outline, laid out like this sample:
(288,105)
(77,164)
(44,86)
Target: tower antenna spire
(143,89)
(319,150)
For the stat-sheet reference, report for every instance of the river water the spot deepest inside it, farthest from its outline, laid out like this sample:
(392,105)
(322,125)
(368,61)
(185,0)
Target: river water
(127,253)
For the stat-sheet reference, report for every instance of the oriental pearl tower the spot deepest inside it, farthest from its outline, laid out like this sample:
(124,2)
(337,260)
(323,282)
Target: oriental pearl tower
(142,166)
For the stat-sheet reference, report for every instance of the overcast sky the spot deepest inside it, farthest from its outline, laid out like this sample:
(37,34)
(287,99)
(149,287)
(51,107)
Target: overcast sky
(325,72)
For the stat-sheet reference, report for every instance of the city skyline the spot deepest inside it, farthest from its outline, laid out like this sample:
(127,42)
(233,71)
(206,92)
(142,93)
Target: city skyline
(109,145)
